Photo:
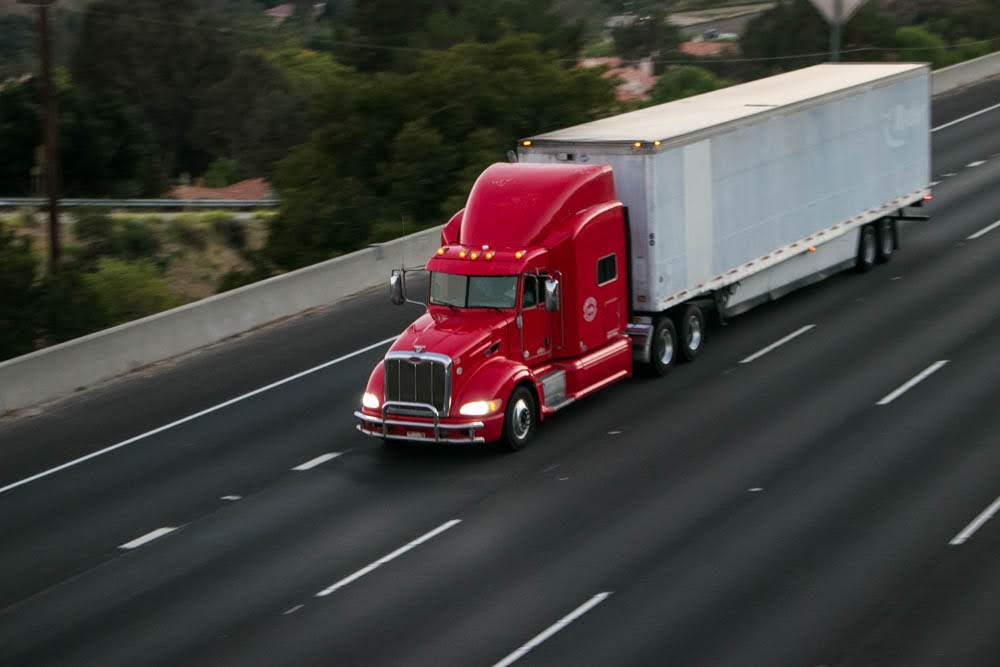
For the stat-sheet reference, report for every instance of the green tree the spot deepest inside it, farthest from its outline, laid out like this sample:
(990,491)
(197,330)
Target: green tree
(20,135)
(394,144)
(18,298)
(420,169)
(160,56)
(685,81)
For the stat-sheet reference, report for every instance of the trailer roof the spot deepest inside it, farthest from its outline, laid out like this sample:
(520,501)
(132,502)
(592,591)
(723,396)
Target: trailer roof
(665,122)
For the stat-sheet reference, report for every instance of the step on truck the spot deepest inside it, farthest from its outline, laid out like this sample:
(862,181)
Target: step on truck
(610,246)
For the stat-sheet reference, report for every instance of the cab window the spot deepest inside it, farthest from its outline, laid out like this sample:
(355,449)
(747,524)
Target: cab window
(607,270)
(530,295)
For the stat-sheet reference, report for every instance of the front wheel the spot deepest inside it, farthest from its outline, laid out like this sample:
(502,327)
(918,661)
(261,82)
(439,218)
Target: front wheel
(520,419)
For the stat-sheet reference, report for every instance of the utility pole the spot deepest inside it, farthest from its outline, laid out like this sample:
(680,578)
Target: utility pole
(51,170)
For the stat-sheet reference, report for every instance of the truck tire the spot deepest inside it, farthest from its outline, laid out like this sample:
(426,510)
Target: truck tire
(663,352)
(520,419)
(867,249)
(886,240)
(691,331)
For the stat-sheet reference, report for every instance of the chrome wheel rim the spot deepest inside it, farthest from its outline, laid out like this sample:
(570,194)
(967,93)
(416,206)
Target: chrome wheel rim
(693,332)
(521,419)
(666,347)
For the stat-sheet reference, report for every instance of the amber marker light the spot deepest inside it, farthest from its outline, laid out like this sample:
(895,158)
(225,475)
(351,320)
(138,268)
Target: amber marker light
(519,254)
(441,251)
(474,254)
(928,197)
(812,248)
(526,143)
(637,144)
(489,254)
(461,254)
(657,143)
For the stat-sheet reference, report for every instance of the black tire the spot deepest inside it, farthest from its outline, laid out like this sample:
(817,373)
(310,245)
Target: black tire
(867,249)
(886,240)
(520,420)
(690,326)
(663,349)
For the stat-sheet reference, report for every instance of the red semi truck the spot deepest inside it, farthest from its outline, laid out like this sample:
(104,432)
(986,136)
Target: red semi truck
(613,243)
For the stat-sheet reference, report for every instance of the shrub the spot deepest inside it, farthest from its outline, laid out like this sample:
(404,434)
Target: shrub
(186,230)
(230,230)
(918,44)
(97,234)
(260,270)
(137,240)
(126,291)
(18,297)
(68,306)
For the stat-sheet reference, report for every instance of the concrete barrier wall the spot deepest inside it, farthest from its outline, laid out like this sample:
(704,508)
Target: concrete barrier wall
(61,369)
(956,76)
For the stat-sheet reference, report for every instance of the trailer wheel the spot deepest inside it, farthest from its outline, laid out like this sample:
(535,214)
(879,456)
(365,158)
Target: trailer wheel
(867,250)
(691,330)
(664,349)
(886,240)
(520,419)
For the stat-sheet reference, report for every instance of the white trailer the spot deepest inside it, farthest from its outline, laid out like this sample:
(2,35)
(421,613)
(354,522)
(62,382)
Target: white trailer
(746,193)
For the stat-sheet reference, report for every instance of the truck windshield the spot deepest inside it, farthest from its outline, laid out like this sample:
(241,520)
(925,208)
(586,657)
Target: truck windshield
(448,289)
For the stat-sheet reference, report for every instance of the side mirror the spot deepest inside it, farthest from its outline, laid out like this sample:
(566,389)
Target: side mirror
(551,295)
(397,288)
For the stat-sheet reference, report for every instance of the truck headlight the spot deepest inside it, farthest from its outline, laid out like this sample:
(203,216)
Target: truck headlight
(370,401)
(480,408)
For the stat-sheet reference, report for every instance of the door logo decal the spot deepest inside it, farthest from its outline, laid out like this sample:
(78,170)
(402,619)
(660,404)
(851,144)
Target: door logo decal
(590,309)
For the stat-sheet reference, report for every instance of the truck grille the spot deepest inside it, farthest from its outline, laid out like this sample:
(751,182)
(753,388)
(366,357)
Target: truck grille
(415,379)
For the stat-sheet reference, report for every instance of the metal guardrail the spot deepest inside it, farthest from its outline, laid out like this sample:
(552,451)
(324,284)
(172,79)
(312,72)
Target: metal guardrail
(39,202)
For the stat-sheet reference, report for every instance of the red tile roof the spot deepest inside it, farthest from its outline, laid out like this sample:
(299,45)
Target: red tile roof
(249,190)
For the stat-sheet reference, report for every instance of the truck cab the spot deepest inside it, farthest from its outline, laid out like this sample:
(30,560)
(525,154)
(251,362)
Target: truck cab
(526,312)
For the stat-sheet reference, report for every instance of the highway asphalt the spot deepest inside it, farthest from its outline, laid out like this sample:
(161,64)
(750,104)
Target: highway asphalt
(797,509)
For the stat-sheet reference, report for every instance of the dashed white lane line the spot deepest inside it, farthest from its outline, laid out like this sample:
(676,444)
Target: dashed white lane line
(294,609)
(912,382)
(319,460)
(389,557)
(777,343)
(985,230)
(965,118)
(554,628)
(977,163)
(231,498)
(148,537)
(976,524)
(184,420)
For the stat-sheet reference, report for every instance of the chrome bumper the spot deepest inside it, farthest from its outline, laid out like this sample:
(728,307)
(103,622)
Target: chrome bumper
(437,427)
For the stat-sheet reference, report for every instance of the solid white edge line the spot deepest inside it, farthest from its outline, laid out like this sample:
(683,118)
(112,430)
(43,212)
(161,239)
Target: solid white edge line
(385,559)
(912,382)
(985,230)
(967,532)
(554,628)
(977,163)
(777,343)
(184,420)
(319,460)
(148,537)
(965,118)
